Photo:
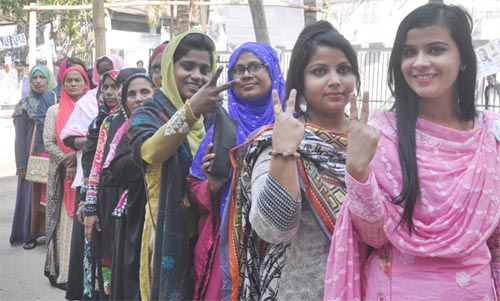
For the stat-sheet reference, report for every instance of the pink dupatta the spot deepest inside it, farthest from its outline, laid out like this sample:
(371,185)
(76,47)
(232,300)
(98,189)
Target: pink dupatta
(459,174)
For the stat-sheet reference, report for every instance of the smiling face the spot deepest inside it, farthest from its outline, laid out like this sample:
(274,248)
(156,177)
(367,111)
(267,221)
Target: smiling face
(110,92)
(191,72)
(328,82)
(252,85)
(431,63)
(138,90)
(39,83)
(74,84)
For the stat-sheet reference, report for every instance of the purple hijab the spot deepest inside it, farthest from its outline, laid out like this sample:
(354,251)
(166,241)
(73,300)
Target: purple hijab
(251,114)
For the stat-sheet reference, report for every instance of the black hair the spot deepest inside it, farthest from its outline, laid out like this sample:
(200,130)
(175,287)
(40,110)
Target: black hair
(320,33)
(127,82)
(196,41)
(102,59)
(124,74)
(75,61)
(459,24)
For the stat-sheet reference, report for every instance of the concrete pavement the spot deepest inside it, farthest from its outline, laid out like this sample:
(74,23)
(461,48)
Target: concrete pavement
(21,271)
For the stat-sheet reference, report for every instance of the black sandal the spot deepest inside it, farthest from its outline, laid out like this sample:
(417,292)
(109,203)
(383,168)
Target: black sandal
(29,245)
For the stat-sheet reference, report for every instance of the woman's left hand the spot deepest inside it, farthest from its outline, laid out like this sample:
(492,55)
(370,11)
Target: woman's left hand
(71,172)
(214,181)
(363,140)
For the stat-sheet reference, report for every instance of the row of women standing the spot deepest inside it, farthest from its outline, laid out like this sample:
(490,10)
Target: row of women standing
(411,201)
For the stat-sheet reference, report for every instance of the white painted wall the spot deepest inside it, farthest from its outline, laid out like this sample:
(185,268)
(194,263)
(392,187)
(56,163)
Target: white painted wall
(136,45)
(232,25)
(377,20)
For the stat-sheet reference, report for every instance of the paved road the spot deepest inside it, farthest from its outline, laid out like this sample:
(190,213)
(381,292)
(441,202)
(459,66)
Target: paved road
(21,271)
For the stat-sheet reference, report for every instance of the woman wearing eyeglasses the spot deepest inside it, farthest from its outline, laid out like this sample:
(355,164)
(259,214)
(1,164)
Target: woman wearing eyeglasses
(289,178)
(256,69)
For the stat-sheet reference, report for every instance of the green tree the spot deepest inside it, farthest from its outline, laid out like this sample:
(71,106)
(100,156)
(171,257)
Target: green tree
(71,28)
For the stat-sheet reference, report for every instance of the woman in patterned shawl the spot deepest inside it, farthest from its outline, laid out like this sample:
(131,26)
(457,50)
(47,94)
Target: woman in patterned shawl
(165,134)
(29,214)
(120,168)
(288,183)
(62,170)
(250,102)
(102,196)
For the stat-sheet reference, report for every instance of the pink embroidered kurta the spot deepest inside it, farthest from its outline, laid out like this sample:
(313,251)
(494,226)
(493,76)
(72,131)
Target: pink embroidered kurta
(454,254)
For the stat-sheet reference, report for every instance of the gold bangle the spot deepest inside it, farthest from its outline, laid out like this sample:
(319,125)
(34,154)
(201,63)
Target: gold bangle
(284,155)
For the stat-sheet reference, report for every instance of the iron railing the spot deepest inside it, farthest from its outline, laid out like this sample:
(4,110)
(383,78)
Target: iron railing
(373,65)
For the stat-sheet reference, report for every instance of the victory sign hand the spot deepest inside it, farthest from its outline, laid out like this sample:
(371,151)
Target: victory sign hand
(288,130)
(209,96)
(363,140)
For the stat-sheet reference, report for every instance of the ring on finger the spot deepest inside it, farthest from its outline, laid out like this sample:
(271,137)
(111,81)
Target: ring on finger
(277,109)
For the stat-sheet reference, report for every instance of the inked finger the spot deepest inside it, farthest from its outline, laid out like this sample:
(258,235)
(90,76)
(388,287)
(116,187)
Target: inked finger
(227,85)
(353,113)
(277,107)
(276,98)
(215,77)
(290,104)
(365,107)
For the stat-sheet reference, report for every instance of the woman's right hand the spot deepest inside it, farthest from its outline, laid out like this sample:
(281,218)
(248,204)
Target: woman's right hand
(209,96)
(21,172)
(363,140)
(288,130)
(80,212)
(90,222)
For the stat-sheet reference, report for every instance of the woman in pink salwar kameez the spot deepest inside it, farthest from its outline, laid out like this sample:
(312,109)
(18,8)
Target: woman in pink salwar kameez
(421,219)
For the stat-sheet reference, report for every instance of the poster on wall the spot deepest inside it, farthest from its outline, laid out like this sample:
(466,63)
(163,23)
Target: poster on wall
(6,43)
(488,58)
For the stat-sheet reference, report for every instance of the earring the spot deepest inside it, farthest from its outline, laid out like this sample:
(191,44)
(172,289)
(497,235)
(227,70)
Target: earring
(463,67)
(303,104)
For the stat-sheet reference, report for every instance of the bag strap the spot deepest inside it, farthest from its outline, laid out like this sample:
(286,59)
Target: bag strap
(33,140)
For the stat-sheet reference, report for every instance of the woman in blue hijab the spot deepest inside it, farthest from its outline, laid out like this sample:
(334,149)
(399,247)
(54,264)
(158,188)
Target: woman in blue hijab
(256,69)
